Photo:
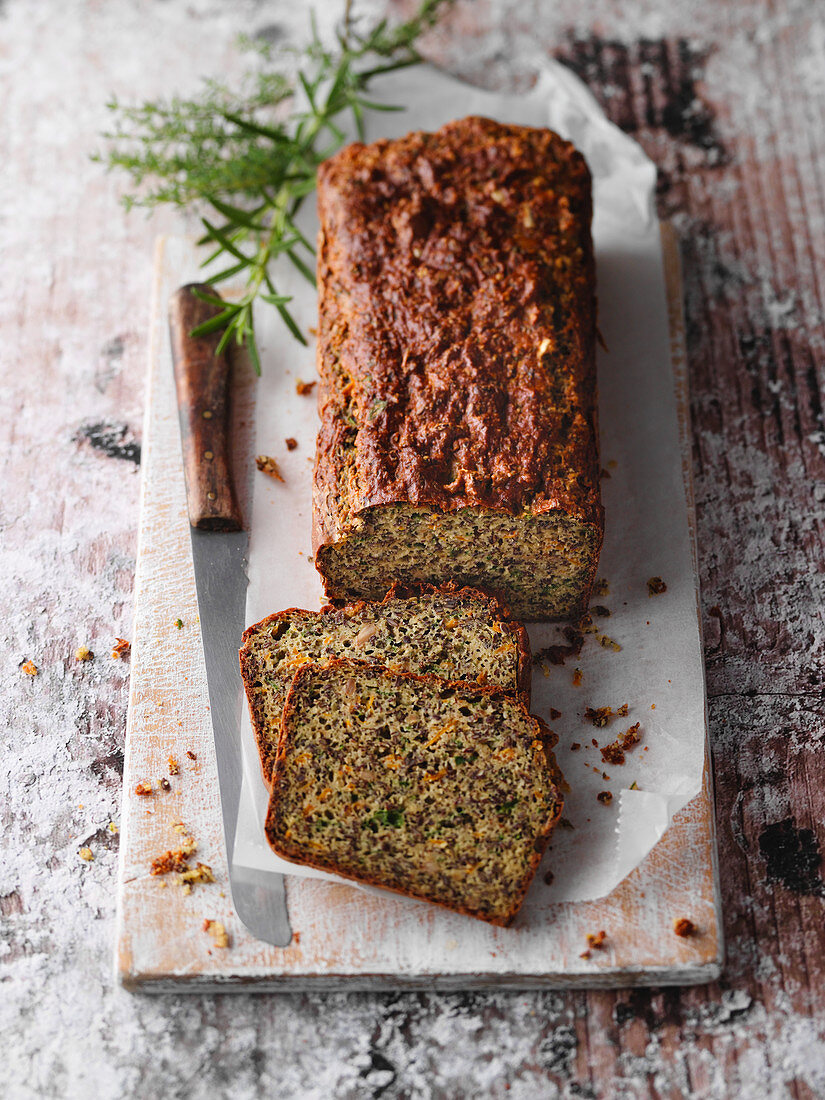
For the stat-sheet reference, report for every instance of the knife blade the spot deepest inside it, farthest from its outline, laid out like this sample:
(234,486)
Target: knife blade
(219,552)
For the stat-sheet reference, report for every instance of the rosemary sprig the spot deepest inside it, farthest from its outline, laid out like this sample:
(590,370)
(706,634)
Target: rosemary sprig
(252,155)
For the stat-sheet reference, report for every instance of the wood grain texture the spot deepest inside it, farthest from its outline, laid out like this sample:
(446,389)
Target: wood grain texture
(346,938)
(729,100)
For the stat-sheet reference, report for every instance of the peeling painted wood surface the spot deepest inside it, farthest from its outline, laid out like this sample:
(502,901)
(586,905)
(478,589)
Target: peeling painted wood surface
(346,939)
(729,100)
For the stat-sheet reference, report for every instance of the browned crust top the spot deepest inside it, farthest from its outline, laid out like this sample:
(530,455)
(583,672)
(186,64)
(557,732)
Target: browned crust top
(457,325)
(282,847)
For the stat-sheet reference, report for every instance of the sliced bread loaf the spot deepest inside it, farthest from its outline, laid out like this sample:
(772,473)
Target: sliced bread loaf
(457,363)
(444,792)
(456,634)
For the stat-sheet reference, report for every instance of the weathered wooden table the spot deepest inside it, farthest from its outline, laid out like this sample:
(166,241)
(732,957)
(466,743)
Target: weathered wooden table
(729,100)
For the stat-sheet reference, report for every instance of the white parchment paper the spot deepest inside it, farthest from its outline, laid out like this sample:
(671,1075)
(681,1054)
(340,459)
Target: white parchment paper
(658,672)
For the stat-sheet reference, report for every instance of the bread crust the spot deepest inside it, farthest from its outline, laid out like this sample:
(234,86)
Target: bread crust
(250,668)
(282,848)
(457,330)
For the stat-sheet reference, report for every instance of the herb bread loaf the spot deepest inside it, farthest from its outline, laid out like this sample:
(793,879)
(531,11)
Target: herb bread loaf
(444,792)
(456,352)
(456,634)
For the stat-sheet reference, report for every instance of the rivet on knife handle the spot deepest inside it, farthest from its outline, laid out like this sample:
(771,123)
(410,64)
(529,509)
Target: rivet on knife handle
(202,381)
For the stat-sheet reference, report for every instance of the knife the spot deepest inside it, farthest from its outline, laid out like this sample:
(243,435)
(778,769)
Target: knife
(219,550)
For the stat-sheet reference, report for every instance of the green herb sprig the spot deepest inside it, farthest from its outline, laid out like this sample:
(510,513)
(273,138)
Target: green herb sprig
(252,155)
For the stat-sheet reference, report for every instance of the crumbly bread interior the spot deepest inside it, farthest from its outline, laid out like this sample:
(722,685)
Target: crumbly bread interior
(541,565)
(437,790)
(452,635)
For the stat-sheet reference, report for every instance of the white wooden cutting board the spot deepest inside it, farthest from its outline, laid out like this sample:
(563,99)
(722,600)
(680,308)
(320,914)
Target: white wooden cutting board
(345,938)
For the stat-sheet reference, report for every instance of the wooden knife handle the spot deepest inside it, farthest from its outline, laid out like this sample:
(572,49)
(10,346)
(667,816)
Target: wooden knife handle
(202,382)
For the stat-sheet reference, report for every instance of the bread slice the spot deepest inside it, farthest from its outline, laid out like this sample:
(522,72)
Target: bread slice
(444,792)
(456,634)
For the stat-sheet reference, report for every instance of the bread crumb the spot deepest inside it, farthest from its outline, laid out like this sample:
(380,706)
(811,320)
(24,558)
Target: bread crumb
(601,716)
(174,766)
(575,746)
(169,861)
(267,465)
(30,668)
(201,872)
(548,878)
(303,388)
(220,937)
(164,784)
(684,927)
(83,653)
(143,789)
(577,677)
(291,443)
(88,855)
(605,797)
(191,755)
(586,625)
(596,939)
(557,654)
(614,752)
(554,714)
(601,587)
(656,586)
(188,846)
(121,649)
